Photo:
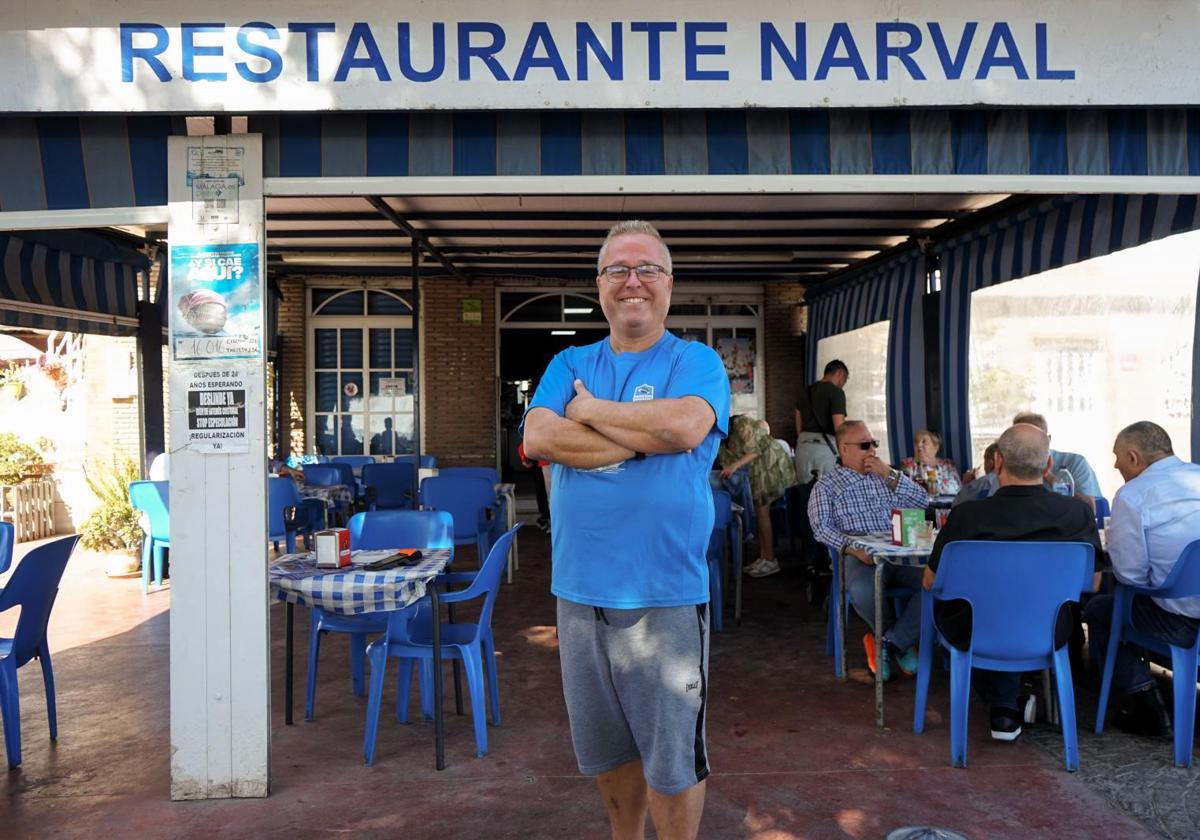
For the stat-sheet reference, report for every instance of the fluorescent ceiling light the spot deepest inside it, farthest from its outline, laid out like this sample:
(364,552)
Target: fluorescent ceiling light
(351,259)
(578,310)
(562,332)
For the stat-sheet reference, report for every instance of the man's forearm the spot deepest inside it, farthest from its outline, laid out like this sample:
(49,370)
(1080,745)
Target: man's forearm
(654,426)
(572,444)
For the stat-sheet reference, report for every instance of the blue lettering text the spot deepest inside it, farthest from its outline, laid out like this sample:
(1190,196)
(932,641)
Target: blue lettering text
(188,33)
(771,41)
(404,36)
(653,32)
(883,49)
(841,34)
(588,41)
(485,54)
(150,54)
(274,60)
(539,33)
(360,34)
(312,31)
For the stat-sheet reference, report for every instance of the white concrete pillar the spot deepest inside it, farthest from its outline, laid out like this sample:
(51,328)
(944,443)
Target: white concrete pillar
(220,640)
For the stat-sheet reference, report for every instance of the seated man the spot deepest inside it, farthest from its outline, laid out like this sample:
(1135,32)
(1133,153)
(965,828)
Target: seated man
(1154,516)
(982,486)
(1022,509)
(1085,477)
(857,497)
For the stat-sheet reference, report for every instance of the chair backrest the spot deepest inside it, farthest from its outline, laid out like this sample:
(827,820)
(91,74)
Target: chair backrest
(1184,579)
(1015,590)
(324,475)
(462,497)
(153,498)
(281,494)
(355,462)
(471,472)
(1103,509)
(722,508)
(393,483)
(401,529)
(32,587)
(487,580)
(7,538)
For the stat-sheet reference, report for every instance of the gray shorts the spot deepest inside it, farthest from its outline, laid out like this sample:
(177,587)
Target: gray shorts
(635,683)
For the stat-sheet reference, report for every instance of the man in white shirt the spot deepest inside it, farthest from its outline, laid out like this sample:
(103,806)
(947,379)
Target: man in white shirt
(1154,517)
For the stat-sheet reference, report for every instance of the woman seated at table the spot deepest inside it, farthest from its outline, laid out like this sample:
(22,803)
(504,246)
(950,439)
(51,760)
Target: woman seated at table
(771,474)
(938,475)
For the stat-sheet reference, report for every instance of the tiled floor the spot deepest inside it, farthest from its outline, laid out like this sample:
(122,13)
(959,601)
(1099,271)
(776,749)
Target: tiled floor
(794,753)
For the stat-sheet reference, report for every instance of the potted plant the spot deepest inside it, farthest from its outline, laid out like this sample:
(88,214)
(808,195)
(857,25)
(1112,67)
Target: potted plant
(13,381)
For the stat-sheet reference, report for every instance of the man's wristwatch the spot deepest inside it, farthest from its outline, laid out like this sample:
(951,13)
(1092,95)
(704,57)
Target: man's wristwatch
(893,478)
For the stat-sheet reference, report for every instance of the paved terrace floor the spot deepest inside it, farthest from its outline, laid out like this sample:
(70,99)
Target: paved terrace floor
(795,754)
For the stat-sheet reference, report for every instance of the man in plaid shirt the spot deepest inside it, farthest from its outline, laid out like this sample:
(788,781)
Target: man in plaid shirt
(857,498)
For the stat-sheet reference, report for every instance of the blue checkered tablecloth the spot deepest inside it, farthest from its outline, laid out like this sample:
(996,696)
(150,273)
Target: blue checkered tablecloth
(333,495)
(295,578)
(880,547)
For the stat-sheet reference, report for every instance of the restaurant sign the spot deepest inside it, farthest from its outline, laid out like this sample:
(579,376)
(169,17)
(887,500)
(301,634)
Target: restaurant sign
(270,55)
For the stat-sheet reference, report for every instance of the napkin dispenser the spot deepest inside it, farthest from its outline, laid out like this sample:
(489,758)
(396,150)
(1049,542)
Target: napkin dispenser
(906,524)
(333,548)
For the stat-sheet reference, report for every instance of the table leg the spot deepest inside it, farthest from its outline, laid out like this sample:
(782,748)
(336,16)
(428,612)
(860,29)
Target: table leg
(839,612)
(439,735)
(289,610)
(879,644)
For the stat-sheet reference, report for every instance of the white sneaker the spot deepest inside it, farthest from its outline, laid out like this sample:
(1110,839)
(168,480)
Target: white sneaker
(768,567)
(755,566)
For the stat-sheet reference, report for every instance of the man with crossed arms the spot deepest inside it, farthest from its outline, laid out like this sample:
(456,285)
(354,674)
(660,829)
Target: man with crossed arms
(631,425)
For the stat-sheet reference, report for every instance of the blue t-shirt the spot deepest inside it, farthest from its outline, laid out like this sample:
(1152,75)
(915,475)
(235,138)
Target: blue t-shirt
(634,534)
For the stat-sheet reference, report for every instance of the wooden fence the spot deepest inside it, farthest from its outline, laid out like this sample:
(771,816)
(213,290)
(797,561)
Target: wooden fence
(29,506)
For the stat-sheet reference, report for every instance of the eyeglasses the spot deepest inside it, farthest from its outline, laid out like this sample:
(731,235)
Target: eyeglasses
(647,272)
(864,445)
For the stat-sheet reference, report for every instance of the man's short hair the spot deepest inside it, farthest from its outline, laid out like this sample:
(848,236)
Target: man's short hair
(847,427)
(1024,455)
(1033,419)
(990,451)
(631,226)
(1148,438)
(836,366)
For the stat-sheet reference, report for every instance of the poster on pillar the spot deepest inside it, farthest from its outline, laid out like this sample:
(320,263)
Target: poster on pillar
(216,295)
(216,409)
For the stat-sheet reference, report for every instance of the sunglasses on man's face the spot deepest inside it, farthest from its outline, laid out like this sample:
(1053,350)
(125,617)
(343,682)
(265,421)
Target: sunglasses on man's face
(864,445)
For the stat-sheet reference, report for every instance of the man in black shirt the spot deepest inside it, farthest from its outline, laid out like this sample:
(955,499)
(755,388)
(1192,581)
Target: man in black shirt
(1021,510)
(820,409)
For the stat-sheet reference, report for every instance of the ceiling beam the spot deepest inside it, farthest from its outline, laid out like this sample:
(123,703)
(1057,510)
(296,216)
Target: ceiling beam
(728,273)
(392,216)
(660,219)
(592,237)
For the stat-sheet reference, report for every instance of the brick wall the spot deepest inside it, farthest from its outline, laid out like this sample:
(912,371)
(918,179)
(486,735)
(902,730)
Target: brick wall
(293,364)
(458,393)
(784,356)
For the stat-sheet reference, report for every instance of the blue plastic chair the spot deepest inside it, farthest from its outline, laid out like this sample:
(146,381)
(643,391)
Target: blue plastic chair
(332,475)
(1103,510)
(1182,582)
(32,587)
(726,526)
(488,473)
(376,529)
(409,637)
(1015,590)
(389,486)
(153,498)
(8,538)
(427,462)
(472,503)
(283,513)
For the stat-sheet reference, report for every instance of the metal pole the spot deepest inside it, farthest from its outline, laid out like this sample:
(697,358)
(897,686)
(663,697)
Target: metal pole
(416,361)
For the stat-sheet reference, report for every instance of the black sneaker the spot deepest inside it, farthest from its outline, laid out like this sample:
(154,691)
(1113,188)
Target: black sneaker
(1143,713)
(1006,724)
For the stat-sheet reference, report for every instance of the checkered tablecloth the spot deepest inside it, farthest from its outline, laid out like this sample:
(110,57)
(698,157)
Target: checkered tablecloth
(880,547)
(333,495)
(295,578)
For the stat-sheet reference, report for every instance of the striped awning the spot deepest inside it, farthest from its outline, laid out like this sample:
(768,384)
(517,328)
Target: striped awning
(57,287)
(891,291)
(1058,232)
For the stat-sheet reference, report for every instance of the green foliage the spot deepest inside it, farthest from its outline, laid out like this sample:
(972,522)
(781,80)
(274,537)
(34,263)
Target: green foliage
(14,455)
(113,525)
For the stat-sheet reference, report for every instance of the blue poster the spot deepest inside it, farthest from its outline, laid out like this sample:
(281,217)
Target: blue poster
(215,302)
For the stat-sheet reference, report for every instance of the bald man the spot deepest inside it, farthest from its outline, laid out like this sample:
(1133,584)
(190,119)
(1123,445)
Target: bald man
(1021,510)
